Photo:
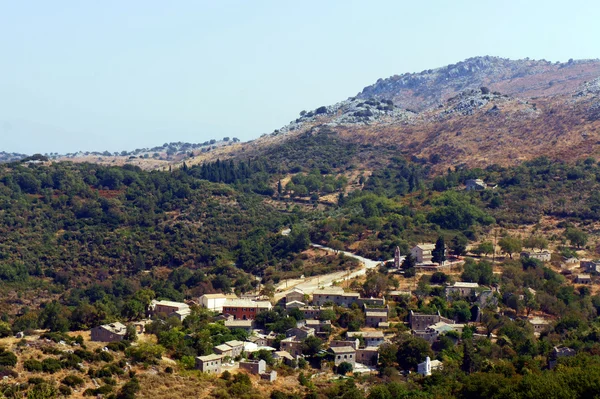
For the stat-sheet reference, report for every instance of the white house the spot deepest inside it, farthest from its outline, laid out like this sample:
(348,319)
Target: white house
(428,366)
(213,302)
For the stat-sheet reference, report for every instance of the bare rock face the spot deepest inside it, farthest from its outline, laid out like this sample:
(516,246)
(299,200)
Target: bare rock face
(522,78)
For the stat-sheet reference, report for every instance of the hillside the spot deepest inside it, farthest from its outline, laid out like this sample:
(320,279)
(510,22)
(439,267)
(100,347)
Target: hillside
(520,78)
(478,112)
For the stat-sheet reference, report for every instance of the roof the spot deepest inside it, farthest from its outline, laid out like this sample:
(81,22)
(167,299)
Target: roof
(115,328)
(335,291)
(376,313)
(223,347)
(365,334)
(370,349)
(538,320)
(283,354)
(247,303)
(400,293)
(239,323)
(170,303)
(425,247)
(234,343)
(313,322)
(210,357)
(342,349)
(462,284)
(296,289)
(443,327)
(296,303)
(581,276)
(211,296)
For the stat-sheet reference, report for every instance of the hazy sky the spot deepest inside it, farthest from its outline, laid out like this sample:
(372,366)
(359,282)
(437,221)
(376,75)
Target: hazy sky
(114,75)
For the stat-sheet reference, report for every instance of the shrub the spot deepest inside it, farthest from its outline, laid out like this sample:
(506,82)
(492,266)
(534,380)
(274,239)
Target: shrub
(7,358)
(32,365)
(72,380)
(344,368)
(65,390)
(51,365)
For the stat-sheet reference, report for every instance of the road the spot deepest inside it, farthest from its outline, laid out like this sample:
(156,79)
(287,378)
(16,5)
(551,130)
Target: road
(310,284)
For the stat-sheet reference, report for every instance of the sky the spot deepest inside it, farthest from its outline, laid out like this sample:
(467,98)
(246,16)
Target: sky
(120,75)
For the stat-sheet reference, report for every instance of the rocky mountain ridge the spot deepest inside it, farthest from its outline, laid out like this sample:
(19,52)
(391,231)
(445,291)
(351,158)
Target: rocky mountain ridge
(523,78)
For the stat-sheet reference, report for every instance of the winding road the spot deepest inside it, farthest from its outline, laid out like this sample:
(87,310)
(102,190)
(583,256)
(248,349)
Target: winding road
(311,284)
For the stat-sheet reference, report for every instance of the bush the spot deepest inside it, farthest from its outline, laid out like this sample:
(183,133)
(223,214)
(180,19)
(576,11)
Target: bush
(32,365)
(129,390)
(51,365)
(72,380)
(7,358)
(145,353)
(344,368)
(65,390)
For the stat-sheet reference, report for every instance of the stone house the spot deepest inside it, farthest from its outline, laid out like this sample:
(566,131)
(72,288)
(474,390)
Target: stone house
(335,295)
(422,253)
(583,279)
(434,331)
(291,345)
(209,364)
(300,332)
(461,289)
(371,338)
(230,348)
(475,185)
(374,318)
(343,354)
(170,309)
(247,325)
(295,294)
(368,356)
(109,332)
(558,353)
(254,366)
(539,325)
(590,266)
(420,321)
(543,256)
(294,304)
(313,312)
(352,343)
(320,326)
(285,358)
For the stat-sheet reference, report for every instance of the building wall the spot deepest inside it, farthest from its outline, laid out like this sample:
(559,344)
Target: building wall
(254,367)
(100,334)
(242,313)
(213,366)
(345,357)
(367,357)
(373,321)
(214,304)
(294,348)
(294,296)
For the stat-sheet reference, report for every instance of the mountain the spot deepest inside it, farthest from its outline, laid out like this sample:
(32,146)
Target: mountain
(521,78)
(478,112)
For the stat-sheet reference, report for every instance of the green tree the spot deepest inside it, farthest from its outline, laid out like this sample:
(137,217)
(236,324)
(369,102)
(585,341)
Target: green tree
(458,246)
(577,237)
(484,248)
(439,252)
(510,245)
(412,351)
(311,345)
(344,368)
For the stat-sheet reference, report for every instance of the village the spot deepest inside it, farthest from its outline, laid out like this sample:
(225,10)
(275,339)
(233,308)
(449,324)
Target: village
(357,347)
